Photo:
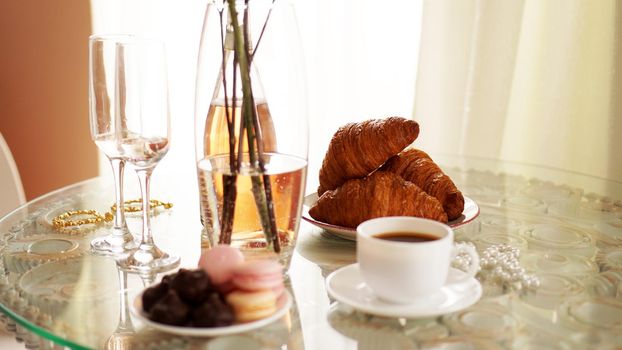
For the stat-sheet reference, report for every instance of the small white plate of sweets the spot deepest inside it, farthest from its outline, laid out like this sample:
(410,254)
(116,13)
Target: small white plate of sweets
(225,295)
(370,171)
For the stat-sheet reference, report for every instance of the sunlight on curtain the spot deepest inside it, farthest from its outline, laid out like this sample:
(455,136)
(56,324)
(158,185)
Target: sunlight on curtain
(178,24)
(563,91)
(361,60)
(528,81)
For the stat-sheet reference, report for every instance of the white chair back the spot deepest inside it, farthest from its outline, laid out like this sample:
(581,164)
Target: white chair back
(11,189)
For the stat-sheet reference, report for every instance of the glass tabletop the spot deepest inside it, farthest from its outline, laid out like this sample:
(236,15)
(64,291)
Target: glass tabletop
(568,227)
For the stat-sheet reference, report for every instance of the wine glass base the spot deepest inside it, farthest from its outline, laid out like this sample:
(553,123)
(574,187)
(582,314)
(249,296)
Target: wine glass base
(120,341)
(157,265)
(114,244)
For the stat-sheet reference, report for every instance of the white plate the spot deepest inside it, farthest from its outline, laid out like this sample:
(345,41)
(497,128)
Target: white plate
(283,304)
(347,286)
(470,212)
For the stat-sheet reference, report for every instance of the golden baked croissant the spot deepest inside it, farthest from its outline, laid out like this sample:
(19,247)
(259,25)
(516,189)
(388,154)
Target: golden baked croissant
(417,167)
(357,149)
(380,194)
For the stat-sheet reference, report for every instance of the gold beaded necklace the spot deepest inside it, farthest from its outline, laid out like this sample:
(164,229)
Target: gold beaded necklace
(92,217)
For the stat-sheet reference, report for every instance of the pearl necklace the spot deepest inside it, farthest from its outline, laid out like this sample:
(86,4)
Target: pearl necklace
(499,263)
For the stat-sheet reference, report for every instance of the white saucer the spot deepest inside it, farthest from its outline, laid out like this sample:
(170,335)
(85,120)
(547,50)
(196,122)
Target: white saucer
(347,286)
(470,212)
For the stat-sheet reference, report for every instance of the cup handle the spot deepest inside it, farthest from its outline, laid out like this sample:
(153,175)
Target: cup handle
(473,267)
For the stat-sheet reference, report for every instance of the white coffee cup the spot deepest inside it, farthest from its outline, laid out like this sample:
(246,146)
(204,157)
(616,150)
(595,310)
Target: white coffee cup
(403,271)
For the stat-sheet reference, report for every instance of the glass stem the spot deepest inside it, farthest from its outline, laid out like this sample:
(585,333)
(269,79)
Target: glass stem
(125,322)
(144,177)
(118,166)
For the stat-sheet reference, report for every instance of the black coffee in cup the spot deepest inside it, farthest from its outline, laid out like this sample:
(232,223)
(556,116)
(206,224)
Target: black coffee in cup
(411,237)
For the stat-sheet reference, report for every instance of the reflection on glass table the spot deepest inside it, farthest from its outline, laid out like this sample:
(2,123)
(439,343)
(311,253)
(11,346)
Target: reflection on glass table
(567,226)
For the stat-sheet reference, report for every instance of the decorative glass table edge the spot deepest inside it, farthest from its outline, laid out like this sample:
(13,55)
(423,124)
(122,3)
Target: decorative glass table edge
(603,289)
(31,334)
(518,306)
(589,184)
(15,308)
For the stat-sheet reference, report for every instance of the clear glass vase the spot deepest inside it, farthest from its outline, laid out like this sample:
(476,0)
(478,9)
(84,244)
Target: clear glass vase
(251,127)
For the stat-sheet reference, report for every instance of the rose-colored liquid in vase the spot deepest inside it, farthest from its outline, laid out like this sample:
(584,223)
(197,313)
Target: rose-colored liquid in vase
(286,174)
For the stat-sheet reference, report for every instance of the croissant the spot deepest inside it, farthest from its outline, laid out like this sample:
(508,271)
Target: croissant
(417,167)
(357,149)
(379,194)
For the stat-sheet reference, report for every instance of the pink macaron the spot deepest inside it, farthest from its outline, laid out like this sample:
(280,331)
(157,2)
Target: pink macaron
(220,262)
(255,275)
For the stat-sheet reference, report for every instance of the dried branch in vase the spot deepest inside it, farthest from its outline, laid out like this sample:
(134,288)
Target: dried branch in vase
(236,41)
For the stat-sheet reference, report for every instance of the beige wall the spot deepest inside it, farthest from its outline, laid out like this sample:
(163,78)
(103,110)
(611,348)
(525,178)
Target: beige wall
(43,91)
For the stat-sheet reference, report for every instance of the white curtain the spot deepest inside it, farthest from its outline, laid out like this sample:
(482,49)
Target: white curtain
(524,80)
(528,81)
(178,24)
(361,61)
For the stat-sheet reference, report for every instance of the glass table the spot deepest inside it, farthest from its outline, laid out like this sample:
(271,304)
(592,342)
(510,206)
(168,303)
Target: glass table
(54,293)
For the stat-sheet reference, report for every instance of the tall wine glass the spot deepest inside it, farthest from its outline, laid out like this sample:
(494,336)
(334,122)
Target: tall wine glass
(106,130)
(142,90)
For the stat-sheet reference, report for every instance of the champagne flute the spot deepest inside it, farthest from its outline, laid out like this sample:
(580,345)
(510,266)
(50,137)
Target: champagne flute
(142,98)
(106,129)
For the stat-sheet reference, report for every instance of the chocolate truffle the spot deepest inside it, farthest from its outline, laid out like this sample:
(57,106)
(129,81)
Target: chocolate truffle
(152,294)
(167,279)
(193,286)
(170,310)
(214,312)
